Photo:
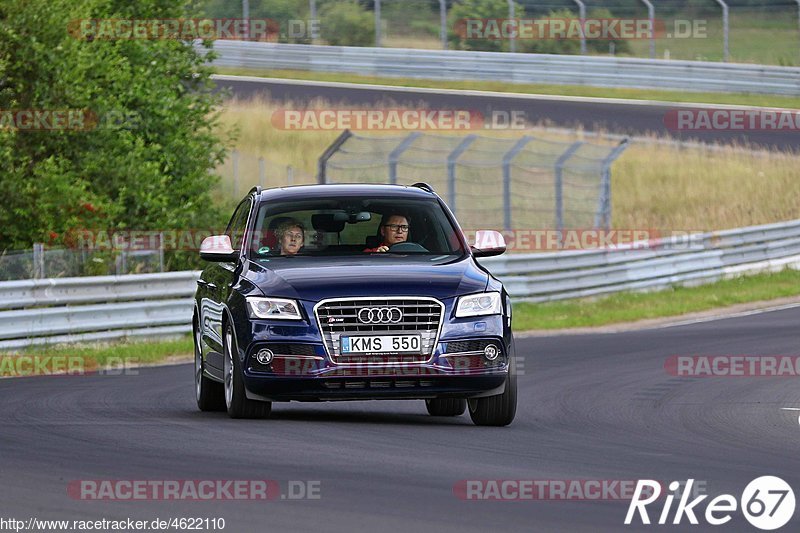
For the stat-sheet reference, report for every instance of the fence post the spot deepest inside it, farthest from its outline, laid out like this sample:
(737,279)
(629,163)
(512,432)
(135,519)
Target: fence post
(508,157)
(322,162)
(603,216)
(378,23)
(38,260)
(725,29)
(289,175)
(798,13)
(511,9)
(582,16)
(651,14)
(246,18)
(394,155)
(312,8)
(235,160)
(451,168)
(161,251)
(559,187)
(443,22)
(262,172)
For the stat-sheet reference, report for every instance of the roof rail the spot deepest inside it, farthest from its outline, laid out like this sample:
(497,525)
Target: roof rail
(424,186)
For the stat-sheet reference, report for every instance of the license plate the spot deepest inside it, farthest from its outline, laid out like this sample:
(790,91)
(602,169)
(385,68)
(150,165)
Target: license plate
(382,344)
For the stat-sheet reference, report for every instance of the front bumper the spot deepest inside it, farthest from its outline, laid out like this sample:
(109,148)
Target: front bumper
(303,370)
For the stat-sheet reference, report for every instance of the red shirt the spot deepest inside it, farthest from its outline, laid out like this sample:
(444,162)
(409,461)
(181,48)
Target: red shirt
(371,250)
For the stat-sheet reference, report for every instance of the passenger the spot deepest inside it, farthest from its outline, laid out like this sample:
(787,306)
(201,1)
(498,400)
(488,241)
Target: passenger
(394,230)
(291,236)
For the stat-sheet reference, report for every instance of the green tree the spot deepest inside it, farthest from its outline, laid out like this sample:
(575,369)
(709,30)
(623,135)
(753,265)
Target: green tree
(346,24)
(146,164)
(478,9)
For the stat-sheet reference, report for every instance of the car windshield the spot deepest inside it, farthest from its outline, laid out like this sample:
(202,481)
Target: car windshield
(350,226)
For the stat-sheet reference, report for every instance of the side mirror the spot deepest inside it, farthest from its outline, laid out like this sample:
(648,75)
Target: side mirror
(488,243)
(218,248)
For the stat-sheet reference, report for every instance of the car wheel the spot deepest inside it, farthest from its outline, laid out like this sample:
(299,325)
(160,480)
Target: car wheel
(208,393)
(236,401)
(496,410)
(446,406)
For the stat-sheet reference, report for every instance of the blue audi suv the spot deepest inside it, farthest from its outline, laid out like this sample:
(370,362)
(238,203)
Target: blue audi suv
(352,292)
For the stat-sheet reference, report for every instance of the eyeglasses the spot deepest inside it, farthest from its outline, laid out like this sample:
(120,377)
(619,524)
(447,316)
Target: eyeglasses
(402,228)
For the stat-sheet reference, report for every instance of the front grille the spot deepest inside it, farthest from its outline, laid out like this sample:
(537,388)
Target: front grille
(340,317)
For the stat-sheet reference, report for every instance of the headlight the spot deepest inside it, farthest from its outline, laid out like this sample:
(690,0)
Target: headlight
(273,308)
(485,303)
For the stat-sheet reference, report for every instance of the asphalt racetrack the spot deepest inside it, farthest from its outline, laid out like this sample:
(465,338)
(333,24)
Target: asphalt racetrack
(591,407)
(624,117)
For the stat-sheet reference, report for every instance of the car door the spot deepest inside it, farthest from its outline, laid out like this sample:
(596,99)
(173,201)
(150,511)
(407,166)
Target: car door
(217,280)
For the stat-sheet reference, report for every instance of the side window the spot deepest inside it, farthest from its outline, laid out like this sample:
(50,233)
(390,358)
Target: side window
(238,224)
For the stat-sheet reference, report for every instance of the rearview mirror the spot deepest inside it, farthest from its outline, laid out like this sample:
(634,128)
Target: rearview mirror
(488,243)
(218,248)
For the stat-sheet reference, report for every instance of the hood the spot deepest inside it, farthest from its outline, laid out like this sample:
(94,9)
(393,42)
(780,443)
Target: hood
(304,279)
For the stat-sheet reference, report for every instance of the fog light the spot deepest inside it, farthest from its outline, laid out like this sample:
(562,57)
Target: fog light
(491,352)
(264,356)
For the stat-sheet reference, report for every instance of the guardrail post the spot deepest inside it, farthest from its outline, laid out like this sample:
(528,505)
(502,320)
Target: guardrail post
(725,29)
(651,14)
(289,175)
(559,186)
(378,23)
(451,168)
(602,217)
(394,155)
(161,251)
(443,22)
(582,16)
(511,15)
(38,260)
(262,172)
(508,157)
(322,163)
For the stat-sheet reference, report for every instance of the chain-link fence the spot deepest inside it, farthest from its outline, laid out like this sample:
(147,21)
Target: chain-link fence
(41,262)
(750,31)
(490,183)
(240,172)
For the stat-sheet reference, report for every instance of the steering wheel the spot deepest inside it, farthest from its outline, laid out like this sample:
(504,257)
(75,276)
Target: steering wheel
(407,247)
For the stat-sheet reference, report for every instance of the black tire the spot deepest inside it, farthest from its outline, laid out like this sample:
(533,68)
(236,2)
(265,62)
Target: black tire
(236,401)
(496,410)
(446,406)
(209,394)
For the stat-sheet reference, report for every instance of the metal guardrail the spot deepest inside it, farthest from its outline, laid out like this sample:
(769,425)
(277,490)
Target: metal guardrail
(43,311)
(150,305)
(598,71)
(653,265)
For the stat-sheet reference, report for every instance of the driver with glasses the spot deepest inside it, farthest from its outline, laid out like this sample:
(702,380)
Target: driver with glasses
(394,230)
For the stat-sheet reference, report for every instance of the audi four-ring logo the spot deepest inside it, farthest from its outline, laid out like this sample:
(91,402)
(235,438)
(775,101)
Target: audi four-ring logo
(380,315)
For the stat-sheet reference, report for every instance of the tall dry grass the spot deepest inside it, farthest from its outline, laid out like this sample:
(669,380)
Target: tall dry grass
(654,185)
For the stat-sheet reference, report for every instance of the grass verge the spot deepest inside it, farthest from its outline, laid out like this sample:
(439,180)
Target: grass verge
(655,186)
(631,306)
(765,100)
(83,358)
